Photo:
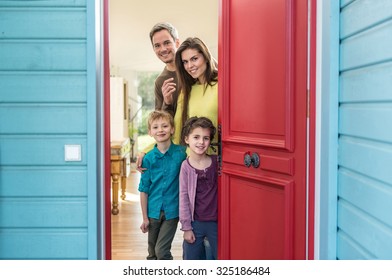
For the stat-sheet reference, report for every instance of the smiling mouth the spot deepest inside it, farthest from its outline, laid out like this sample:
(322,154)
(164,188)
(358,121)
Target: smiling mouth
(193,72)
(165,54)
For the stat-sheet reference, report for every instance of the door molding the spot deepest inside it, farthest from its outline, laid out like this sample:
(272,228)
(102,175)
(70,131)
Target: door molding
(324,127)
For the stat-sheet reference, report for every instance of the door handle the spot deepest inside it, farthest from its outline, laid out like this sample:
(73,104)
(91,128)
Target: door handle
(251,159)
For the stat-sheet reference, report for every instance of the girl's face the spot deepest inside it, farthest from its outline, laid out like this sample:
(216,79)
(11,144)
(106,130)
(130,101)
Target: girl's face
(161,130)
(199,140)
(194,63)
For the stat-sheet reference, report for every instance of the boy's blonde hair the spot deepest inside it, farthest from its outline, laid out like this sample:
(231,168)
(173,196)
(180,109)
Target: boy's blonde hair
(160,114)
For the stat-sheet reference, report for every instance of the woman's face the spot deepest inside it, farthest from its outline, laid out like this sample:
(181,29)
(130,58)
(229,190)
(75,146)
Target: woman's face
(194,63)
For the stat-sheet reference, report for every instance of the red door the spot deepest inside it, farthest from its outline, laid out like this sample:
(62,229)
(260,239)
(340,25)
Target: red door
(263,118)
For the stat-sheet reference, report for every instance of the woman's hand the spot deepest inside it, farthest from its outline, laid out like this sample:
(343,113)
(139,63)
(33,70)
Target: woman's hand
(168,87)
(189,236)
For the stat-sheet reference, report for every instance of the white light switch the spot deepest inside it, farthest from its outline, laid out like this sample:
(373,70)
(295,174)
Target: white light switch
(73,152)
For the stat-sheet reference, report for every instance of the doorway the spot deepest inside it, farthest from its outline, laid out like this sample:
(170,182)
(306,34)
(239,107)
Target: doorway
(130,54)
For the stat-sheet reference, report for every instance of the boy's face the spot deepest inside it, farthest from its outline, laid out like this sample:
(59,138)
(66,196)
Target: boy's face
(161,130)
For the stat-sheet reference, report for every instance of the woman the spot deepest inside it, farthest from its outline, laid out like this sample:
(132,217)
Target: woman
(198,82)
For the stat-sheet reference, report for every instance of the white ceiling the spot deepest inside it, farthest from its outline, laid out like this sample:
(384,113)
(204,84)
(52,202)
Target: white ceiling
(130,22)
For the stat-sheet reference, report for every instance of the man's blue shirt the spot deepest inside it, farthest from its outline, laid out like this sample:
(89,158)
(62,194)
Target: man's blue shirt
(161,181)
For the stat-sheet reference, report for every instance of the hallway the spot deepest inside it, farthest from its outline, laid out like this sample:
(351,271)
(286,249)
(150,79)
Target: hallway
(128,242)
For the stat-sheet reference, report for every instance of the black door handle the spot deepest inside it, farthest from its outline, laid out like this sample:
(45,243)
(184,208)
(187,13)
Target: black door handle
(251,159)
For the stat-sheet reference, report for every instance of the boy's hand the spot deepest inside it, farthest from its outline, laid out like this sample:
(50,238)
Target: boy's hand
(144,226)
(189,236)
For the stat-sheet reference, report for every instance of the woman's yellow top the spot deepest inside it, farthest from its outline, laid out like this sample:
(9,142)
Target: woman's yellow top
(201,104)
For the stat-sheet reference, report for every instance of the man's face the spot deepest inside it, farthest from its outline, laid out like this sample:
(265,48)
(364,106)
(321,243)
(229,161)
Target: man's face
(164,46)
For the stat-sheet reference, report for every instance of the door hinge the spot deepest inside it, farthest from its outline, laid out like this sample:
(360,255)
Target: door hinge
(219,150)
(217,147)
(307,104)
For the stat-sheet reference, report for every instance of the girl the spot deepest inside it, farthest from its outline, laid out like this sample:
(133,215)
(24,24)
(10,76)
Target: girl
(199,190)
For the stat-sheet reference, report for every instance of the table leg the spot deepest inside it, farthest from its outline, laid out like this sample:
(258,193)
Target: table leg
(123,186)
(115,194)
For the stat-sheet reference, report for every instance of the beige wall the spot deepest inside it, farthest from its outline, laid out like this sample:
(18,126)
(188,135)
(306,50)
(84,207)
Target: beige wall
(130,22)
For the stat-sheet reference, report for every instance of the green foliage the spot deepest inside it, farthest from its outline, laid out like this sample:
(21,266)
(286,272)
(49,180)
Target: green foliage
(143,127)
(146,88)
(146,91)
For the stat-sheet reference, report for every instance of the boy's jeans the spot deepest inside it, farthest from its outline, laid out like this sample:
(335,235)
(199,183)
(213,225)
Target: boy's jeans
(160,237)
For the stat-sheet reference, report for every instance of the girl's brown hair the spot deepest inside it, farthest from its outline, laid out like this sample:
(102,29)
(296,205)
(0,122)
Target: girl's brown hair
(195,122)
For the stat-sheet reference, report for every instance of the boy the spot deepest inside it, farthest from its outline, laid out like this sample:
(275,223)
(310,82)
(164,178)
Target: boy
(159,187)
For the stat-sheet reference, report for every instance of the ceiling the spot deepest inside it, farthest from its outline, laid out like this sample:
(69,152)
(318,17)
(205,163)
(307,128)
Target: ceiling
(130,22)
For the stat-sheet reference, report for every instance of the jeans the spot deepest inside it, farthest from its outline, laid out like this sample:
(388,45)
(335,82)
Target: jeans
(161,233)
(199,250)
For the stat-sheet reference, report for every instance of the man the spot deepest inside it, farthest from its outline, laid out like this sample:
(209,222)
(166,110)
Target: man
(165,41)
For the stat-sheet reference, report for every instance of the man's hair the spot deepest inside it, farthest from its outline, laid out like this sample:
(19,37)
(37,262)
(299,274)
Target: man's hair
(160,114)
(164,26)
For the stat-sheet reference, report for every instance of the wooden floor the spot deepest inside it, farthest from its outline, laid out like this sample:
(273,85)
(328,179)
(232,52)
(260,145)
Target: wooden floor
(128,242)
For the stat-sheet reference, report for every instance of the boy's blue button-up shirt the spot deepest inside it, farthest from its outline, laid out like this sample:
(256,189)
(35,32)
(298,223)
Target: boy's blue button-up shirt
(161,181)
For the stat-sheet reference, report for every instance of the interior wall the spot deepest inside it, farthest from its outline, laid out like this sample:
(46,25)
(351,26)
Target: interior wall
(130,22)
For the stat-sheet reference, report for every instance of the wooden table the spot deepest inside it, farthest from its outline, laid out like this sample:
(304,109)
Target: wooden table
(119,169)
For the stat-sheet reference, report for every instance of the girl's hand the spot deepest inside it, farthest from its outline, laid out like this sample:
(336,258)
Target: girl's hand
(144,226)
(189,236)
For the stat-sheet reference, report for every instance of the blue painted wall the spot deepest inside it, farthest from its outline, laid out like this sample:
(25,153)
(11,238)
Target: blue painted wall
(48,206)
(365,131)
(327,128)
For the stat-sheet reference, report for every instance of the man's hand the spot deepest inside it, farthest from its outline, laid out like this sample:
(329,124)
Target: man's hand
(168,87)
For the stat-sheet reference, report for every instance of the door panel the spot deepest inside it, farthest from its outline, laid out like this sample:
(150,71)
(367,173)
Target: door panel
(269,161)
(262,110)
(266,59)
(265,213)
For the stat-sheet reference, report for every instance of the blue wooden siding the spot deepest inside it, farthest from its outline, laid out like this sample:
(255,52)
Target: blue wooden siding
(48,206)
(365,134)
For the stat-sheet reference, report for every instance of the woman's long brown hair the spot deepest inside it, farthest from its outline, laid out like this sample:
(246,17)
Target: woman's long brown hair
(185,80)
